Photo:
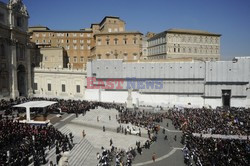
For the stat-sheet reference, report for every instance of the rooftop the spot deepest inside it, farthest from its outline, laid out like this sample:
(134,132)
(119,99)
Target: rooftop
(191,31)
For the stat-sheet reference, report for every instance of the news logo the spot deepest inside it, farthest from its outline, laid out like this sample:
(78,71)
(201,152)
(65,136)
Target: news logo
(127,83)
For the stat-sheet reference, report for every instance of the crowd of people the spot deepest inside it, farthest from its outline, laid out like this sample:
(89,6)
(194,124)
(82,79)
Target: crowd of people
(22,143)
(19,142)
(222,151)
(142,118)
(211,151)
(226,121)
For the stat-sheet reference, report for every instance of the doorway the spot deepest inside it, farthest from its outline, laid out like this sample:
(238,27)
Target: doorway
(21,80)
(226,98)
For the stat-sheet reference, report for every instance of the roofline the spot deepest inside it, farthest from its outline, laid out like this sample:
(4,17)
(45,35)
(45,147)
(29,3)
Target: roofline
(93,24)
(193,33)
(114,33)
(78,31)
(108,17)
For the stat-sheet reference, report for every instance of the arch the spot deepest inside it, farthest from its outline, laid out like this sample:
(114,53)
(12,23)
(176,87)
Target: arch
(21,80)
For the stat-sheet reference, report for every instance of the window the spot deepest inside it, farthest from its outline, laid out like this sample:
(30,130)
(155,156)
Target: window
(107,42)
(67,47)
(81,34)
(1,17)
(88,47)
(46,58)
(75,47)
(78,90)
(110,30)
(135,56)
(81,59)
(44,41)
(37,34)
(125,41)
(49,87)
(74,34)
(44,34)
(49,41)
(2,51)
(67,35)
(81,47)
(99,42)
(135,41)
(75,59)
(88,35)
(63,88)
(19,21)
(67,41)
(81,41)
(116,30)
(35,86)
(88,41)
(74,41)
(116,41)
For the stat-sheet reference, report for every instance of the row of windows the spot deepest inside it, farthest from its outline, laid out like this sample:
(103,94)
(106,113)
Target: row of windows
(116,56)
(194,39)
(157,50)
(162,49)
(115,42)
(63,87)
(75,47)
(157,41)
(63,34)
(75,59)
(62,41)
(193,50)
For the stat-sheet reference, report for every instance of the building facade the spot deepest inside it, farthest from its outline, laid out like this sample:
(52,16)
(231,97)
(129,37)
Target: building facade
(215,83)
(63,83)
(77,44)
(112,41)
(181,43)
(15,59)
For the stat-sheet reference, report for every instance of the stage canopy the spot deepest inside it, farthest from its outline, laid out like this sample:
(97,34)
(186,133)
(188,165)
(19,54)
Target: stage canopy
(36,104)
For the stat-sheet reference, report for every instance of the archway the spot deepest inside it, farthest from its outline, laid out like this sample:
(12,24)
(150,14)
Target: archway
(21,80)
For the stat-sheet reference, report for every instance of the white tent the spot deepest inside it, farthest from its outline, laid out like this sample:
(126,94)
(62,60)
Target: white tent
(34,104)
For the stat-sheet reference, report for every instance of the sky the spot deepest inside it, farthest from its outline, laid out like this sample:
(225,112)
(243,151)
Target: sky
(231,18)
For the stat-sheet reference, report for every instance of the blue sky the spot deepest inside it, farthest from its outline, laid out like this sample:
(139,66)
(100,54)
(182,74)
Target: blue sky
(231,18)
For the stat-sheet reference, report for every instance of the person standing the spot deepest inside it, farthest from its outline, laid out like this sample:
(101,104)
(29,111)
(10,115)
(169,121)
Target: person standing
(153,157)
(111,142)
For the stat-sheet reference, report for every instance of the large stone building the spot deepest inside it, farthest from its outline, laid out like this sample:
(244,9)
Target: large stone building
(106,40)
(15,60)
(112,41)
(77,44)
(197,84)
(181,43)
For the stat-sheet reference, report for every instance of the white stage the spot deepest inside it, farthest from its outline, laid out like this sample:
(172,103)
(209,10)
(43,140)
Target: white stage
(34,104)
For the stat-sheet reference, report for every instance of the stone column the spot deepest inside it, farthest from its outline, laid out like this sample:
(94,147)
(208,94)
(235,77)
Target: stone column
(13,71)
(29,83)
